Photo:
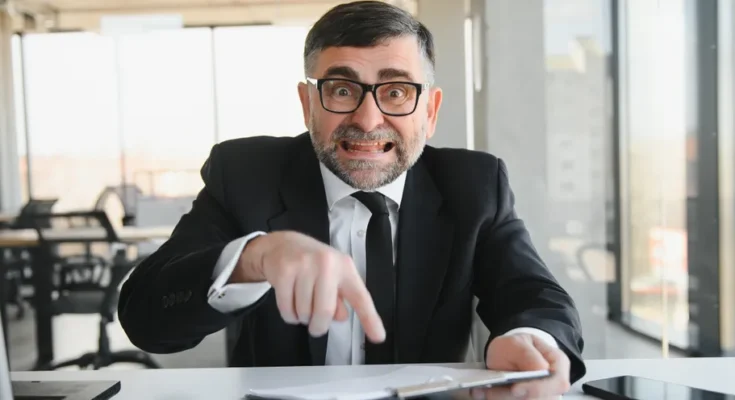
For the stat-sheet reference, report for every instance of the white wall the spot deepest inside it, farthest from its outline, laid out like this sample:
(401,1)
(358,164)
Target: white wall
(445,20)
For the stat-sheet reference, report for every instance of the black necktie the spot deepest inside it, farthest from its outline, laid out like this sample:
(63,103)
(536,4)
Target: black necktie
(380,274)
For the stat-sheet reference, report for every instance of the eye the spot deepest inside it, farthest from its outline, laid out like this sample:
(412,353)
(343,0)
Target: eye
(341,91)
(396,93)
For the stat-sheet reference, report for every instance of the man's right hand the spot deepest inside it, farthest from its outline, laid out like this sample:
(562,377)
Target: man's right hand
(312,281)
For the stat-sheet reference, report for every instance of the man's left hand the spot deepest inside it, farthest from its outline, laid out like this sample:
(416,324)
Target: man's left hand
(526,352)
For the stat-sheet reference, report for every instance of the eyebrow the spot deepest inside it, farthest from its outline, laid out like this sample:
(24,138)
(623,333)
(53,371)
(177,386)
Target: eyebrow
(343,71)
(383,75)
(393,73)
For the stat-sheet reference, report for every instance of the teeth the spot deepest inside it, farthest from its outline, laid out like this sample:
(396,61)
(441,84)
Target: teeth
(365,147)
(367,143)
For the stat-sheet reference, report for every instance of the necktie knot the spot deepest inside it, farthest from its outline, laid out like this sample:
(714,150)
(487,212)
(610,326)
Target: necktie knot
(374,201)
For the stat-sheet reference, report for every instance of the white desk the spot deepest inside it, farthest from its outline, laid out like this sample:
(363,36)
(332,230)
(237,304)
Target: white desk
(232,383)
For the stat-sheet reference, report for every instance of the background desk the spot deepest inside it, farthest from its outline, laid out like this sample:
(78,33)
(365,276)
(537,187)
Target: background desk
(127,234)
(232,383)
(42,279)
(6,220)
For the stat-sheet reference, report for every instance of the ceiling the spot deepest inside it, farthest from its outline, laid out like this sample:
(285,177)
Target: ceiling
(74,15)
(89,5)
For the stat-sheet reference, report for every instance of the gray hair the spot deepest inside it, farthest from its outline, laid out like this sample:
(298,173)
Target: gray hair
(367,24)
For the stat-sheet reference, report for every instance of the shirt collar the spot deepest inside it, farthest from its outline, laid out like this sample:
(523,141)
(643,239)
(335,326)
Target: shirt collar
(336,189)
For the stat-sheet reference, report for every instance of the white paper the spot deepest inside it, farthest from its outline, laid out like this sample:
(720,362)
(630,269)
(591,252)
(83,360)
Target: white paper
(381,386)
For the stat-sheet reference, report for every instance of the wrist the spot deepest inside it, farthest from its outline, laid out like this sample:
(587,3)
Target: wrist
(250,264)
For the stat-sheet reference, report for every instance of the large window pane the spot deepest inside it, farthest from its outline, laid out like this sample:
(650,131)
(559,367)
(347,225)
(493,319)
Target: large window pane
(167,109)
(578,151)
(258,69)
(71,103)
(655,261)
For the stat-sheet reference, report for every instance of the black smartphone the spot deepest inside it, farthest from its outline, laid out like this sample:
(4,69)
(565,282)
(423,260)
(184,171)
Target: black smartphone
(636,388)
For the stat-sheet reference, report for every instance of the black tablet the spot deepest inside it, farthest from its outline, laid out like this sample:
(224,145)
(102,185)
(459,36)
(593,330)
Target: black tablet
(637,388)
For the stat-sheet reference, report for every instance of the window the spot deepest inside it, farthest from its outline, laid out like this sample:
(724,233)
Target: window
(166,110)
(145,109)
(576,52)
(655,102)
(257,86)
(71,106)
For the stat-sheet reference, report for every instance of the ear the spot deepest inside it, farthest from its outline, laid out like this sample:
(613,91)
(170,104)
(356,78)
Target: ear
(432,110)
(303,89)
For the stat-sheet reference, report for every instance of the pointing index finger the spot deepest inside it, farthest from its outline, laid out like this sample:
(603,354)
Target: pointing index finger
(354,291)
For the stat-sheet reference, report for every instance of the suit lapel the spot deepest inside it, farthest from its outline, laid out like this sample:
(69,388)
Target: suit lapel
(424,242)
(305,211)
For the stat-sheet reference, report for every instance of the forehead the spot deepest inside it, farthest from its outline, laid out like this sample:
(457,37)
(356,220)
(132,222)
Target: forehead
(402,53)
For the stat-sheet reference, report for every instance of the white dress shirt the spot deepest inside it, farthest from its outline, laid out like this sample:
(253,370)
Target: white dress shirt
(348,221)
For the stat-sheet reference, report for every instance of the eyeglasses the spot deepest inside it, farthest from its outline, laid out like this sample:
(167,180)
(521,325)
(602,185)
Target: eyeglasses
(344,96)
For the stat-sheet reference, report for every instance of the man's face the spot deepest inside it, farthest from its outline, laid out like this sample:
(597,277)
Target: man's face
(364,146)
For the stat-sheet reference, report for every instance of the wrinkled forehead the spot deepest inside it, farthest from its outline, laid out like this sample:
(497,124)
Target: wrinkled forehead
(394,59)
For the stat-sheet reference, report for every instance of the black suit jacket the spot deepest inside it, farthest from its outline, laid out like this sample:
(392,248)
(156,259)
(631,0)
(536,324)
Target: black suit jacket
(458,237)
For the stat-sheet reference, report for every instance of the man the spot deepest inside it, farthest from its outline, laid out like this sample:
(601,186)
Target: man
(355,242)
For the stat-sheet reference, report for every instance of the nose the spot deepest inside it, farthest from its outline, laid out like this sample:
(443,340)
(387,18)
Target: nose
(368,116)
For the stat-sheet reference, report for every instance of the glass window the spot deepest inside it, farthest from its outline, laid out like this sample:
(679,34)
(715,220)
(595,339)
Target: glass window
(71,106)
(256,86)
(655,262)
(577,51)
(167,109)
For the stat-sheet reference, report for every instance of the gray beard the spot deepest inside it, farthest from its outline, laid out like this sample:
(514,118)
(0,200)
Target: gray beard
(368,174)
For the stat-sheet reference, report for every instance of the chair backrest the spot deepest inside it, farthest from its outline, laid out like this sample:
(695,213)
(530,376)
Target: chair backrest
(86,283)
(74,227)
(25,219)
(127,195)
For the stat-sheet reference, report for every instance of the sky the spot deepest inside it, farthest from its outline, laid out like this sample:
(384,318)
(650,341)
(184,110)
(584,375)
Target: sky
(566,20)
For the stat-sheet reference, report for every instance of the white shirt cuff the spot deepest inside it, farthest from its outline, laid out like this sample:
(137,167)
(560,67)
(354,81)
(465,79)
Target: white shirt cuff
(536,332)
(227,298)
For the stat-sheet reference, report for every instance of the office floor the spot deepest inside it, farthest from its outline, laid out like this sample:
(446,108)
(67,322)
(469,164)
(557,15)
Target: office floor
(77,334)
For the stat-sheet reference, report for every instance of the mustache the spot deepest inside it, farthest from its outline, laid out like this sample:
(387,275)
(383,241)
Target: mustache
(351,132)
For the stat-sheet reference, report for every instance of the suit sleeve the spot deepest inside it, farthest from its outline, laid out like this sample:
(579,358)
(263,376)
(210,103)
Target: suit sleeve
(164,305)
(514,287)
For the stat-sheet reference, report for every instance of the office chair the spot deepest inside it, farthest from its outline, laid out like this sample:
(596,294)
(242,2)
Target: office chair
(18,263)
(85,283)
(127,195)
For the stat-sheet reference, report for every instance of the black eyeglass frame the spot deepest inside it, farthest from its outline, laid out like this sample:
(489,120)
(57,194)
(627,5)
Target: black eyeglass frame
(369,88)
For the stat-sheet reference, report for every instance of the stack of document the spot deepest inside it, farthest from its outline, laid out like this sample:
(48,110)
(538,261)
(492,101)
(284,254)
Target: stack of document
(405,382)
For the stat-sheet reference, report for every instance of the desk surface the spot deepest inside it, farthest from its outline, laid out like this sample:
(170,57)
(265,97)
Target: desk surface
(6,217)
(232,383)
(128,234)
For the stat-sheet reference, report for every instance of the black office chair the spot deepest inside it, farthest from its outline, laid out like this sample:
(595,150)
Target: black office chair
(17,261)
(85,283)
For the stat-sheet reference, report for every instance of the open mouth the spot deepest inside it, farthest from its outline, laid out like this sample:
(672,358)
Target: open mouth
(366,147)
